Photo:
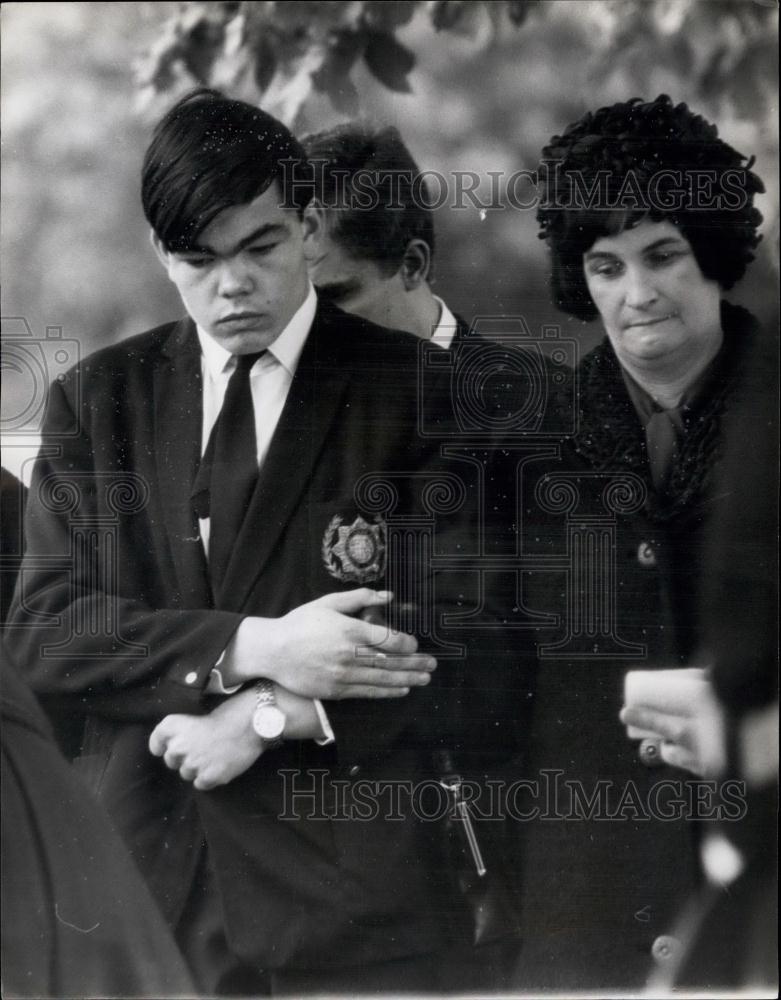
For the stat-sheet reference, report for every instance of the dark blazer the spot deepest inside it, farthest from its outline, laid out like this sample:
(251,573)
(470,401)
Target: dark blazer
(733,933)
(310,890)
(13,496)
(619,882)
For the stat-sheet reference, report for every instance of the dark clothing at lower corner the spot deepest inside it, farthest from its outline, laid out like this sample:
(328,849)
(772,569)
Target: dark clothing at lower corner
(200,933)
(77,920)
(479,971)
(13,496)
(740,596)
(67,724)
(731,933)
(483,970)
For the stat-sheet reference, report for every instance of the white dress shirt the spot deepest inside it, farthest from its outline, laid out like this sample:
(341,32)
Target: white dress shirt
(446,327)
(270,379)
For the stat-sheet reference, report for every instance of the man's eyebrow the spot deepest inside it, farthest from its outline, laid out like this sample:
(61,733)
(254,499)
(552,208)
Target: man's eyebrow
(664,241)
(335,290)
(268,229)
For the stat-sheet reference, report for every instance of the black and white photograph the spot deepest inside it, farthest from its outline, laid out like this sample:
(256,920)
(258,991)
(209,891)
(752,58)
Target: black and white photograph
(390,486)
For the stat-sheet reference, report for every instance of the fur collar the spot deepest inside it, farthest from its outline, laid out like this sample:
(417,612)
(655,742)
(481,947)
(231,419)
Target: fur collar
(611,437)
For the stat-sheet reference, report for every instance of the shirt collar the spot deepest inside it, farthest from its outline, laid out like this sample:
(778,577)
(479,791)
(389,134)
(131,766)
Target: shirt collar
(286,349)
(446,327)
(646,406)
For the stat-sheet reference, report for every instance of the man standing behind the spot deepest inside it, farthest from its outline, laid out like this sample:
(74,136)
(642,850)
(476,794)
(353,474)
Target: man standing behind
(202,491)
(373,252)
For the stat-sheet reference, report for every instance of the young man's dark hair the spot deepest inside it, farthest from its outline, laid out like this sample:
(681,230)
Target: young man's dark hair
(353,166)
(209,153)
(665,148)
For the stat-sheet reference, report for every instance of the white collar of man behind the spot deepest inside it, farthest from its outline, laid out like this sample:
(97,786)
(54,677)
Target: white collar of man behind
(445,329)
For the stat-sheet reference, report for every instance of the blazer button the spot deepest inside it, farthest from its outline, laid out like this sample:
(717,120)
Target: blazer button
(646,555)
(665,948)
(191,678)
(354,771)
(650,752)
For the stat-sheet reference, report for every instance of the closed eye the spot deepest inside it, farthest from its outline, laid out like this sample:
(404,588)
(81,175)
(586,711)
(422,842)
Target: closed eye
(198,262)
(661,258)
(605,268)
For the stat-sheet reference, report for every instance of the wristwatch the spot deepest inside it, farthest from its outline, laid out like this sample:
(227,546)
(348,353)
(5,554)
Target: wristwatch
(268,719)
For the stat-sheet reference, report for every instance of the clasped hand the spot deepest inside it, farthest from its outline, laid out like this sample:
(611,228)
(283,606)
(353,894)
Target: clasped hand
(320,650)
(684,713)
(315,651)
(213,749)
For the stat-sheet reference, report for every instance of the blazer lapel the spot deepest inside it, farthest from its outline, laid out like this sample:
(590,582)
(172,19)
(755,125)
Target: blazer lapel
(312,405)
(178,420)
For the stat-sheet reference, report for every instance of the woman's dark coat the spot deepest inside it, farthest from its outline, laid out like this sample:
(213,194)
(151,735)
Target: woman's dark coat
(601,888)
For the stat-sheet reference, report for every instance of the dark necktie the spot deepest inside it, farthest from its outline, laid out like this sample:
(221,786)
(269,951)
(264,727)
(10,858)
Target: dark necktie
(663,429)
(228,470)
(661,438)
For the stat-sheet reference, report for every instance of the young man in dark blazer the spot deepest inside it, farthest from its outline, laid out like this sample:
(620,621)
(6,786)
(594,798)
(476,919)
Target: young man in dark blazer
(165,568)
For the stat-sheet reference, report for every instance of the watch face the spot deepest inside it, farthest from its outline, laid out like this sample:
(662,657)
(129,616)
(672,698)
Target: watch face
(268,722)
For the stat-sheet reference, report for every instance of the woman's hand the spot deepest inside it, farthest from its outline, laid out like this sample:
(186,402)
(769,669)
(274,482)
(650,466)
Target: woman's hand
(683,711)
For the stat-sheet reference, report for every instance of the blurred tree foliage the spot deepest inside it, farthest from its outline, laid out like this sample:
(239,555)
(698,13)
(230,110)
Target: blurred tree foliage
(472,86)
(278,53)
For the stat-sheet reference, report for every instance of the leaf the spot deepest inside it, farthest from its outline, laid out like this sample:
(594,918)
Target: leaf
(715,71)
(389,61)
(752,87)
(264,61)
(344,47)
(445,14)
(291,87)
(462,17)
(229,8)
(343,95)
(333,76)
(517,11)
(314,15)
(158,70)
(201,46)
(387,15)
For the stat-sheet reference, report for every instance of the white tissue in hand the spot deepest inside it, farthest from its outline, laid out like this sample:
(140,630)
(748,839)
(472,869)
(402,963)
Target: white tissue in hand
(671,691)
